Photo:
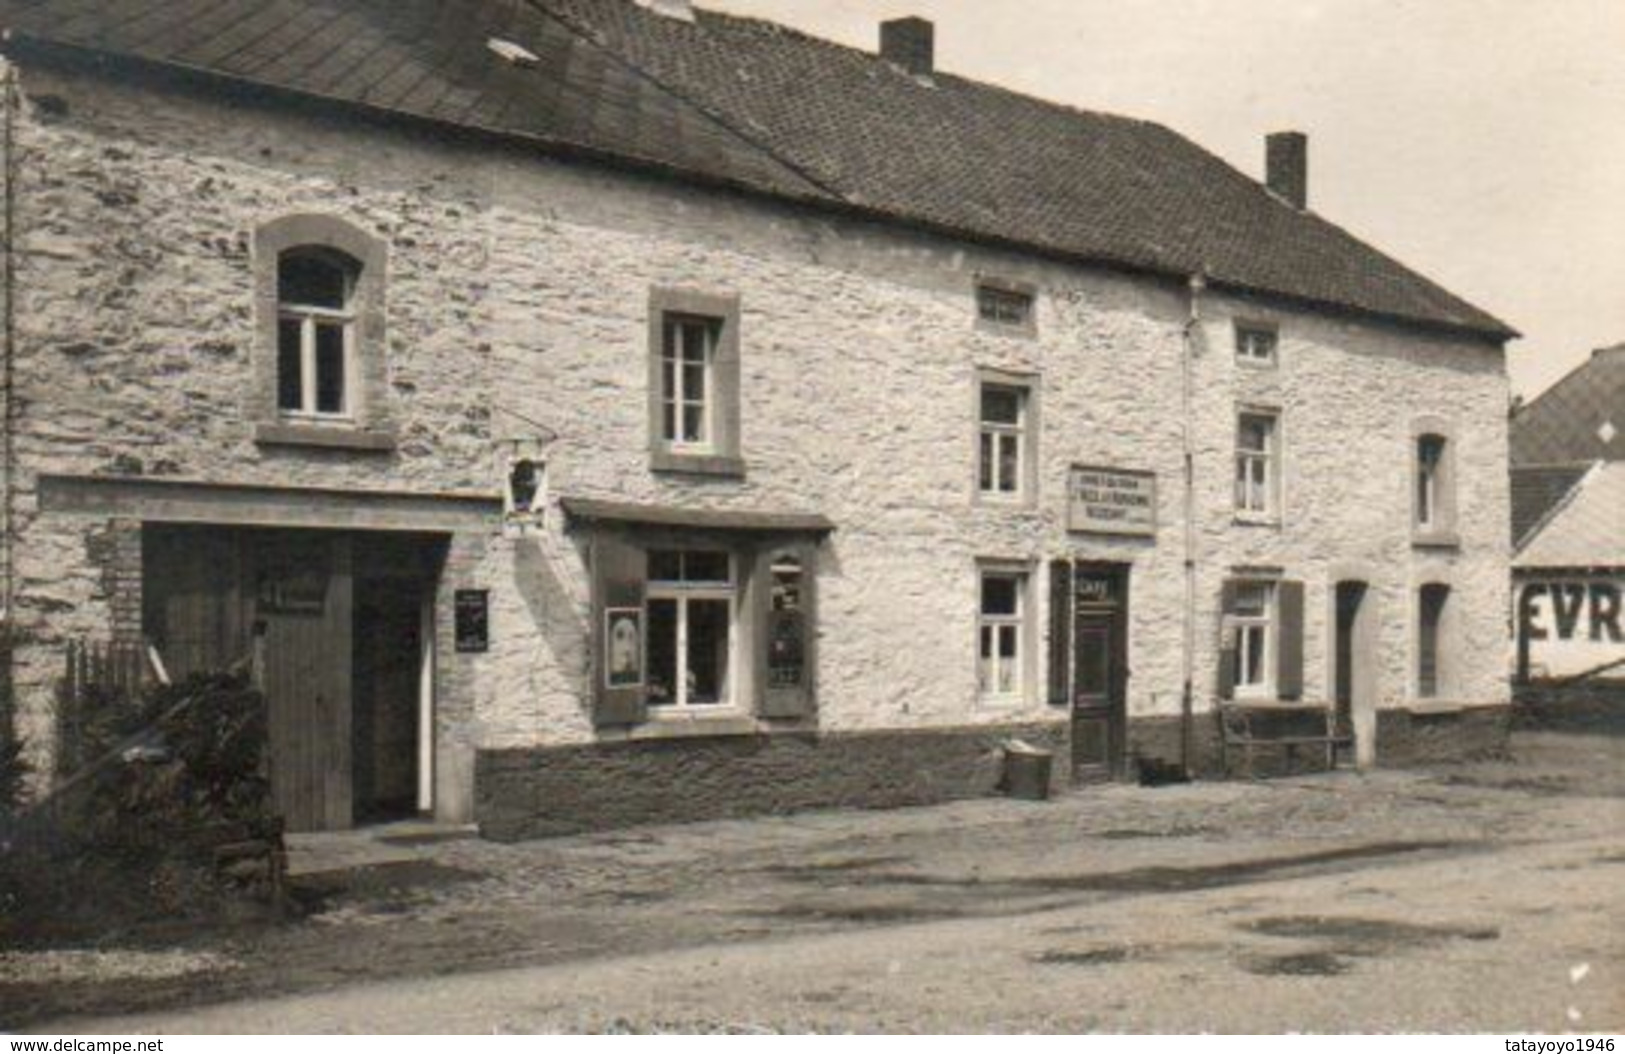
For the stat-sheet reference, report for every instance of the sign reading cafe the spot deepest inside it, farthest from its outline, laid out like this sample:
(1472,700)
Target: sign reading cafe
(1111,501)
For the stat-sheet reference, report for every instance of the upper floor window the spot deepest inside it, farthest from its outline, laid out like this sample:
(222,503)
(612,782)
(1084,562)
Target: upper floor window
(1004,306)
(687,380)
(1257,462)
(320,376)
(1433,482)
(694,401)
(316,323)
(1002,454)
(1429,477)
(1255,344)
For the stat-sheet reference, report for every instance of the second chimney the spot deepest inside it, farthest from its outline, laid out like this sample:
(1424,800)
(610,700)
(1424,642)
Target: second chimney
(1286,167)
(908,42)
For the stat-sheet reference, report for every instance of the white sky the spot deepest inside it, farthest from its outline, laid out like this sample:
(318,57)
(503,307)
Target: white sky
(1482,142)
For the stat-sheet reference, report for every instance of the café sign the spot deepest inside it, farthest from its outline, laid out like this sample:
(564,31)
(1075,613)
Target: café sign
(1111,501)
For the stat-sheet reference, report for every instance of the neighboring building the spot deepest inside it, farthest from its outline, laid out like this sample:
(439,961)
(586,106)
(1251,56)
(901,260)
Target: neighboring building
(1568,524)
(591,414)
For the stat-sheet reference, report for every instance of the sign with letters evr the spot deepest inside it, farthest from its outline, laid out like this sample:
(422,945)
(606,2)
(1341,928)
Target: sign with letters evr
(1111,501)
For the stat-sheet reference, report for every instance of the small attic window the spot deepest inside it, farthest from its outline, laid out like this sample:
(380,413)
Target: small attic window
(517,54)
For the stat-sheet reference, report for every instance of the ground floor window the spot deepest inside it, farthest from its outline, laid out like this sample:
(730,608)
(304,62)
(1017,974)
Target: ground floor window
(1253,618)
(691,602)
(1430,618)
(1000,632)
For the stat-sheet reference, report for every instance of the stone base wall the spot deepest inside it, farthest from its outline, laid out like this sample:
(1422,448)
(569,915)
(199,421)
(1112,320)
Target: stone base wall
(540,792)
(1595,707)
(1406,737)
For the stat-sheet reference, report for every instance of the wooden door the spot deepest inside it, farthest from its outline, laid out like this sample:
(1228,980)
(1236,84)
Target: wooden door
(303,619)
(387,685)
(1099,673)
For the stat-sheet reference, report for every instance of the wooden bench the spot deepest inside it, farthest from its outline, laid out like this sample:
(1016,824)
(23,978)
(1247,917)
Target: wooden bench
(1238,728)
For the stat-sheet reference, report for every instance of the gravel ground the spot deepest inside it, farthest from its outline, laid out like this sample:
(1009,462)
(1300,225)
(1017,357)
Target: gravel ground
(1472,897)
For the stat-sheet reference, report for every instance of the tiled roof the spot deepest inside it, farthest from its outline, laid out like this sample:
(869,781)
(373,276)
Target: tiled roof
(1537,490)
(754,103)
(1586,532)
(1580,418)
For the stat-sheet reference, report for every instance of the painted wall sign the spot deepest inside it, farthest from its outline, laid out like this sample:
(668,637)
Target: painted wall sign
(1570,626)
(473,619)
(1111,501)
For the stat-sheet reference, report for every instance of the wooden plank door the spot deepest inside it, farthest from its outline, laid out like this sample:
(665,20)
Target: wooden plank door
(303,599)
(1099,673)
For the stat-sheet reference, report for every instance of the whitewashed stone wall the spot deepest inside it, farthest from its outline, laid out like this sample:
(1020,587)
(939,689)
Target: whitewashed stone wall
(517,293)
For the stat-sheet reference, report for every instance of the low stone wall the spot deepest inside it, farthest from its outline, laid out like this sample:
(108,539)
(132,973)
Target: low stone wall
(539,792)
(1595,707)
(1406,737)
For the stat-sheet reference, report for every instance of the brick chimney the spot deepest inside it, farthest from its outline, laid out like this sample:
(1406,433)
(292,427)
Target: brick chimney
(1286,166)
(909,43)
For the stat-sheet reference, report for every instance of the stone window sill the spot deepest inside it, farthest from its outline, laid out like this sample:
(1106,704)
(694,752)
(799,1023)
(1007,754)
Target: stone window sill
(687,726)
(1435,707)
(1436,540)
(325,436)
(1257,519)
(721,465)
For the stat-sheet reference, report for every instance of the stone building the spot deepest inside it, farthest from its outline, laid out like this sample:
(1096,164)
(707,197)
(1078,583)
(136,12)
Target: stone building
(587,412)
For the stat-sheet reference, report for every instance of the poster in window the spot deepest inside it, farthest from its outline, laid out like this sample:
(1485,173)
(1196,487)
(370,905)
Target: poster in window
(784,650)
(623,647)
(472,618)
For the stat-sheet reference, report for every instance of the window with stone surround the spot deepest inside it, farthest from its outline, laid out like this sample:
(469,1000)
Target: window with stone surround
(1433,482)
(1261,638)
(1006,308)
(1003,634)
(1432,652)
(320,374)
(1006,415)
(1256,343)
(694,400)
(1258,456)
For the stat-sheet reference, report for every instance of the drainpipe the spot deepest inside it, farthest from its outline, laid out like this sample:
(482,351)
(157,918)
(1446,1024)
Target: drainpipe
(1187,359)
(8,341)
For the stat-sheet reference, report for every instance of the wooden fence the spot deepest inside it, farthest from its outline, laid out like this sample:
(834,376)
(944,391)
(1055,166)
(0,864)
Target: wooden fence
(98,676)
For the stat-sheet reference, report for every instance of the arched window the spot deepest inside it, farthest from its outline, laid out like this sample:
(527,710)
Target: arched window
(316,331)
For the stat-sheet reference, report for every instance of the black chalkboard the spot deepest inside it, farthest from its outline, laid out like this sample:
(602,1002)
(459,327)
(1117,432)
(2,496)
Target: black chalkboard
(473,620)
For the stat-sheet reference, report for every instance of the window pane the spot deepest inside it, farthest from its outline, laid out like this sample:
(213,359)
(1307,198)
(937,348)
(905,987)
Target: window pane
(665,565)
(998,595)
(1252,639)
(984,665)
(1009,463)
(1003,305)
(1001,405)
(1255,433)
(1252,598)
(696,336)
(694,382)
(668,421)
(289,388)
(693,424)
(707,652)
(329,368)
(986,463)
(314,279)
(662,645)
(1007,659)
(705,567)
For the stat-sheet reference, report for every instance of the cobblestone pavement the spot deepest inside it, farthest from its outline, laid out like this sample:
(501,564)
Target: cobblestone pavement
(1479,896)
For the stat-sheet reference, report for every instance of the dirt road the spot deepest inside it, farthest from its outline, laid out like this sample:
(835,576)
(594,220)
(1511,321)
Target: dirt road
(1484,897)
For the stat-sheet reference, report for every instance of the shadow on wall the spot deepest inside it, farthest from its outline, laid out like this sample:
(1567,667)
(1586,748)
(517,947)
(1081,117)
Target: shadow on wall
(555,608)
